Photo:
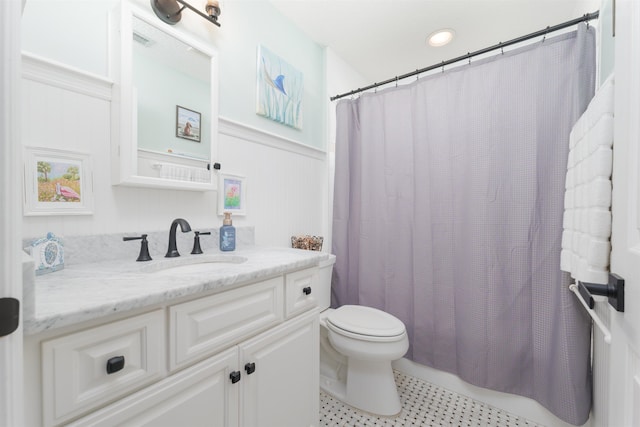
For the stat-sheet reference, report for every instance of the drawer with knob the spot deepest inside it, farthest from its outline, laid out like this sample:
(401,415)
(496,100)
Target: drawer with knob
(86,369)
(299,291)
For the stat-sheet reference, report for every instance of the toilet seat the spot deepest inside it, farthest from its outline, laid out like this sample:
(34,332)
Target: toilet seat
(365,323)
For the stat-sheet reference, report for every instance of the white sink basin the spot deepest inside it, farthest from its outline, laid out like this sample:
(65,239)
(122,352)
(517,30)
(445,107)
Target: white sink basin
(193,265)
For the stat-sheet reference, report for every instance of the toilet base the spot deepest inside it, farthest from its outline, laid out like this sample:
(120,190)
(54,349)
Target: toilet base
(333,387)
(365,383)
(369,386)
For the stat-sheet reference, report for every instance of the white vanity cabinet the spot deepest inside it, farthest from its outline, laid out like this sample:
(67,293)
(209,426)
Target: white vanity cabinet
(270,380)
(243,357)
(202,395)
(83,369)
(280,375)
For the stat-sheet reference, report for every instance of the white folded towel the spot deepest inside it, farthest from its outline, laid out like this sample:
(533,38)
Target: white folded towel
(176,172)
(201,175)
(586,247)
(184,173)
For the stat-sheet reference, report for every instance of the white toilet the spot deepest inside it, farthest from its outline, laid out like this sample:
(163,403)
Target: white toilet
(357,346)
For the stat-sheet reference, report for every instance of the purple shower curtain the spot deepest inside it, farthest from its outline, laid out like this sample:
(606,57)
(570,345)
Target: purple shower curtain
(448,214)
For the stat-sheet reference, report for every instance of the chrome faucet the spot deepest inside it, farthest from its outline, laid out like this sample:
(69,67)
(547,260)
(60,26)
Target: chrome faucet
(184,226)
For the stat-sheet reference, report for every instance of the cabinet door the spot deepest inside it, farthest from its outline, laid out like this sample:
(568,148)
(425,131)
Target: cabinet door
(283,390)
(202,395)
(300,291)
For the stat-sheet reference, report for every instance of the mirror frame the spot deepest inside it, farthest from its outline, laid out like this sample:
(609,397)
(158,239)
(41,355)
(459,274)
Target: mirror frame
(124,147)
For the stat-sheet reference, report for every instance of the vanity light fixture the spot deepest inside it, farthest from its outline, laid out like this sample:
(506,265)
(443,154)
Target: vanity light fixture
(170,12)
(440,37)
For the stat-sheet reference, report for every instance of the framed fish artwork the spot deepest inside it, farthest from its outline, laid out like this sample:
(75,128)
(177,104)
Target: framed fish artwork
(280,89)
(57,182)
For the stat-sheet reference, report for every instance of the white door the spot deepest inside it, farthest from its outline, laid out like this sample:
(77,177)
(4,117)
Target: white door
(624,404)
(10,208)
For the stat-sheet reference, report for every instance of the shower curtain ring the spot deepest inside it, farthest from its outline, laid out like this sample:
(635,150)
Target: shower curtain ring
(443,66)
(501,48)
(417,74)
(469,57)
(396,81)
(545,34)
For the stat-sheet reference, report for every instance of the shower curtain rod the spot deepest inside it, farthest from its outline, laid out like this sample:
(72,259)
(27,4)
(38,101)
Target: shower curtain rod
(584,18)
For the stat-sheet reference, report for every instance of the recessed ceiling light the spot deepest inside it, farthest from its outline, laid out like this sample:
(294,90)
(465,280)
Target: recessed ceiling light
(440,37)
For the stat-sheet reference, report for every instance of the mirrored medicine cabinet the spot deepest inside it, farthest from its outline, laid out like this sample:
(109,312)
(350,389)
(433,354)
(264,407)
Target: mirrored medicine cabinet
(164,105)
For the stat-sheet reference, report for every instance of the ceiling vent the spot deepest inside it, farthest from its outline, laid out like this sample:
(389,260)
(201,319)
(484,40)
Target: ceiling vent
(142,39)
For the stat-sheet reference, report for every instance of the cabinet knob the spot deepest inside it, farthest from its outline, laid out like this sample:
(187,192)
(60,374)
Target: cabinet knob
(234,376)
(115,364)
(250,368)
(306,290)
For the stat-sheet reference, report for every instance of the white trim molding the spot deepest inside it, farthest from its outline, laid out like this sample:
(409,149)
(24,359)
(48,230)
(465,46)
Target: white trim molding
(11,360)
(249,133)
(59,75)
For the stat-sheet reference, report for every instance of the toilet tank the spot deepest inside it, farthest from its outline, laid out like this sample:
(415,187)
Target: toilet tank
(325,269)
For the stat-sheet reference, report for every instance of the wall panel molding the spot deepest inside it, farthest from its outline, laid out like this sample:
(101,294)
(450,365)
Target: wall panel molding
(65,77)
(251,134)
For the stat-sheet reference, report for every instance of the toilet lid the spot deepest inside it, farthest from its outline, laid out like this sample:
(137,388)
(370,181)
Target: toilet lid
(369,321)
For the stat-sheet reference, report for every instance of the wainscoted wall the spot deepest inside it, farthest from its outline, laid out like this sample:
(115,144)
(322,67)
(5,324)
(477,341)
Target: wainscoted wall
(79,37)
(68,109)
(286,182)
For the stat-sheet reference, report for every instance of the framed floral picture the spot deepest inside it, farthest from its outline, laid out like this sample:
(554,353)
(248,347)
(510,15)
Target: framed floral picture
(232,194)
(57,182)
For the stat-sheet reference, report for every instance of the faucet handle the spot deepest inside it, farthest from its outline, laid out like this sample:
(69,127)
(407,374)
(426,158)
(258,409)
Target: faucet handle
(144,247)
(196,241)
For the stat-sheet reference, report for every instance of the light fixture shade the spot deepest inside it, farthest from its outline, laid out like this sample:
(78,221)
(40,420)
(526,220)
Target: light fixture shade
(167,10)
(170,12)
(213,9)
(441,37)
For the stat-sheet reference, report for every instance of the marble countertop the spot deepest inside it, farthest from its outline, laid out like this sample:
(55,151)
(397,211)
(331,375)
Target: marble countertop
(89,291)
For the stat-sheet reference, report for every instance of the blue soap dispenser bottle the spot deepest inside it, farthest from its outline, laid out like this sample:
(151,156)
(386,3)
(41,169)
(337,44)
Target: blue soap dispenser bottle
(227,234)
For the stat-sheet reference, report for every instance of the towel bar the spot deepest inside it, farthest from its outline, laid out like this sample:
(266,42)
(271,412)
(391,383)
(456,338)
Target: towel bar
(605,331)
(158,165)
(613,290)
